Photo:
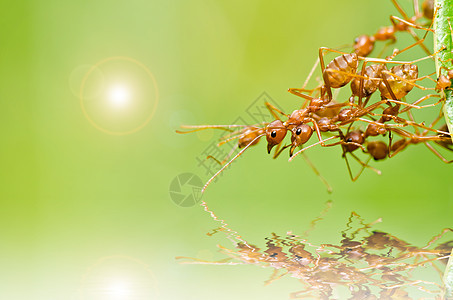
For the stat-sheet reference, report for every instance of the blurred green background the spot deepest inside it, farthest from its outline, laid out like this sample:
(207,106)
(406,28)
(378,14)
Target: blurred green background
(86,214)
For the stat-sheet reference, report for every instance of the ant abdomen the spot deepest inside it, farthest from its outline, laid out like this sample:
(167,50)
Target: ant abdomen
(249,137)
(338,71)
(377,149)
(373,72)
(399,87)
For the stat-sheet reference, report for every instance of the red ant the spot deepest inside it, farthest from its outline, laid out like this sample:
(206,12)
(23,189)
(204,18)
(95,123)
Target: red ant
(364,44)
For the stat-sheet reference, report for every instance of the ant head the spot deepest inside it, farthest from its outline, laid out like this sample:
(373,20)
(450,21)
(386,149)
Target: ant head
(443,82)
(300,135)
(355,137)
(378,149)
(363,45)
(275,133)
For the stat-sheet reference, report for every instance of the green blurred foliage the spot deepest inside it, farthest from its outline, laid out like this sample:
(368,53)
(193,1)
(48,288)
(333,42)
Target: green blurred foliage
(72,194)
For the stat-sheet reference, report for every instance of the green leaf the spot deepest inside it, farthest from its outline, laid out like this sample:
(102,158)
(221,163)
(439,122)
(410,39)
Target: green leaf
(443,38)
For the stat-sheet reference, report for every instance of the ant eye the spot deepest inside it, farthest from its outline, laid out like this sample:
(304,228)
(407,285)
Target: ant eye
(356,40)
(273,133)
(298,131)
(349,140)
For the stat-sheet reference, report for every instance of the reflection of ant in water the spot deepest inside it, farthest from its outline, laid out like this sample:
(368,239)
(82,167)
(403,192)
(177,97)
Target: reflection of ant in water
(365,261)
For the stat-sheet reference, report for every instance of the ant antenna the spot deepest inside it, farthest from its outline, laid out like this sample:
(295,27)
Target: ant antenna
(228,163)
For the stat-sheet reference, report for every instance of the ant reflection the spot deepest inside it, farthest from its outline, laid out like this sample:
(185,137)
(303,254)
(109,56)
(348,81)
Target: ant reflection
(366,263)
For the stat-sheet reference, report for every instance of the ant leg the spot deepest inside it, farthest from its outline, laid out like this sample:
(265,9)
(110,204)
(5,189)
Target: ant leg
(318,132)
(298,92)
(435,238)
(391,42)
(411,117)
(275,276)
(336,105)
(362,73)
(317,219)
(428,77)
(312,145)
(414,105)
(366,101)
(400,9)
(324,76)
(226,158)
(395,19)
(411,82)
(365,165)
(310,74)
(315,170)
(332,50)
(351,143)
(192,260)
(437,153)
(397,150)
(215,159)
(385,61)
(387,85)
(437,119)
(409,22)
(417,13)
(203,127)
(229,163)
(321,59)
(272,109)
(349,169)
(421,100)
(418,41)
